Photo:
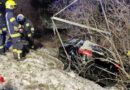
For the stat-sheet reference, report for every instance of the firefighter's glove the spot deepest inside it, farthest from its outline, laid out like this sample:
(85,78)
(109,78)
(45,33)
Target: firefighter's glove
(20,30)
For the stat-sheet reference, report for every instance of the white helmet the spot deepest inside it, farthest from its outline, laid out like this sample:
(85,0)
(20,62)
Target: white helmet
(20,17)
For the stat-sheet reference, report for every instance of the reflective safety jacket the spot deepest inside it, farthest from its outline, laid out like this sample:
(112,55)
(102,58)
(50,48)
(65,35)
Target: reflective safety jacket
(27,27)
(1,34)
(2,16)
(2,23)
(2,6)
(2,30)
(12,24)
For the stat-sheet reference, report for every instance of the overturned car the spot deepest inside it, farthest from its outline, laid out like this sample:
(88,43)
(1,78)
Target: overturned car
(90,61)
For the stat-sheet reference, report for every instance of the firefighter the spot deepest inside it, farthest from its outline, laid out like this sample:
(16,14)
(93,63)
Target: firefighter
(13,26)
(3,28)
(26,29)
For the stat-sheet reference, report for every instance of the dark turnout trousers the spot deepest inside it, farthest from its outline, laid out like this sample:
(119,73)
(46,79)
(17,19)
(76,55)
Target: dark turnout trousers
(1,44)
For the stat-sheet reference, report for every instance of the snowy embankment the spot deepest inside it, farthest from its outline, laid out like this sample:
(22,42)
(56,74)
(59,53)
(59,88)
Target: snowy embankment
(42,71)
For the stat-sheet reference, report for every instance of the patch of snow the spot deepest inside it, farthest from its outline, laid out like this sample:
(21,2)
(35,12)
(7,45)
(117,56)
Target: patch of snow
(41,71)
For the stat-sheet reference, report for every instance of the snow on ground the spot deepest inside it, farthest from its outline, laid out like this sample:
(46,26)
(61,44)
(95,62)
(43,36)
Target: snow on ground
(42,71)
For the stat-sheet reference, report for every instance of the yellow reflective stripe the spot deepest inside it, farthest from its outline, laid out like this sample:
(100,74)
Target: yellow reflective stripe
(0,14)
(32,28)
(128,53)
(17,51)
(4,29)
(12,19)
(0,31)
(29,35)
(15,35)
(14,50)
(1,47)
(0,2)
(27,24)
(19,26)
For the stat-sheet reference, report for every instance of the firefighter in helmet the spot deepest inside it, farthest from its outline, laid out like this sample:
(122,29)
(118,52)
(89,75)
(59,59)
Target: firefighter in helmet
(13,26)
(27,29)
(3,28)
